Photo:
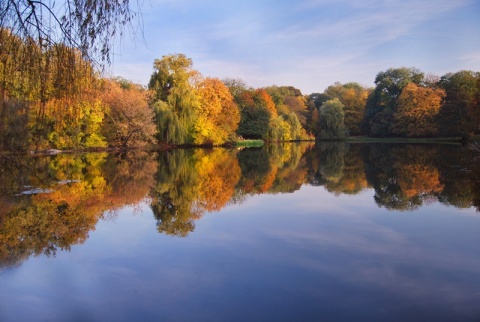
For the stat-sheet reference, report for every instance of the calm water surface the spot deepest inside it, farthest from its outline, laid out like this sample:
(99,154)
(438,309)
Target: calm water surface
(283,233)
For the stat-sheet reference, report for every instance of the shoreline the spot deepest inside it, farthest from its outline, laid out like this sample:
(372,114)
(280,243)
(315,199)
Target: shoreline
(246,144)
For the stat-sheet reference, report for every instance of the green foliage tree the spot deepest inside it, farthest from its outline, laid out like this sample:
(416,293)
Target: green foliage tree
(354,98)
(255,115)
(175,99)
(318,99)
(236,86)
(460,113)
(332,125)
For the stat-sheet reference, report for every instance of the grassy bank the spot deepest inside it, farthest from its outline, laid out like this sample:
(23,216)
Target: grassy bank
(249,143)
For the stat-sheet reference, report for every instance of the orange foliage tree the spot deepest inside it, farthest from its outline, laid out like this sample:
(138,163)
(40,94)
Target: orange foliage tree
(262,98)
(129,120)
(417,108)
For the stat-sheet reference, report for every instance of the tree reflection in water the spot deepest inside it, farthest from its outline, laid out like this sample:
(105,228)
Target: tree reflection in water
(49,203)
(82,189)
(189,183)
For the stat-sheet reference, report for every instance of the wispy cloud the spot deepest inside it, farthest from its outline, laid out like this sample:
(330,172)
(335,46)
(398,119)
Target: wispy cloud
(472,58)
(308,44)
(373,21)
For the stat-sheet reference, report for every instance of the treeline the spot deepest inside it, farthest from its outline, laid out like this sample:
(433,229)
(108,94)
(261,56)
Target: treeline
(51,97)
(403,103)
(193,110)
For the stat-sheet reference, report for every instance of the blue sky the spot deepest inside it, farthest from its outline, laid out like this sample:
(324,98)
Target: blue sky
(309,44)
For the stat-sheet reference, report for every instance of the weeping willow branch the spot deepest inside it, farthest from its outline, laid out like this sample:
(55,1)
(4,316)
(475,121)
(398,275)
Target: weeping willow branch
(87,25)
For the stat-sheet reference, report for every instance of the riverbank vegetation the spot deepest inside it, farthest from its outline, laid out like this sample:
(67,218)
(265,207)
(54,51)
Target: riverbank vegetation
(53,97)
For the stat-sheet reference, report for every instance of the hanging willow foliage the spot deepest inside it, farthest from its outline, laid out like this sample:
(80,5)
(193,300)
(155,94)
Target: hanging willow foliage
(86,25)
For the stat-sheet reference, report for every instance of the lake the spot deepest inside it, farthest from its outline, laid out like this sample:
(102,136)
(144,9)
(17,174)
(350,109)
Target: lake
(287,232)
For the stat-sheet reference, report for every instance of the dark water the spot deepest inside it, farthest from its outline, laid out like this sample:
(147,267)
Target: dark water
(296,232)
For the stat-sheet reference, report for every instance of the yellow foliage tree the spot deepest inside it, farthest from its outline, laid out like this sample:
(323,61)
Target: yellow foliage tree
(218,115)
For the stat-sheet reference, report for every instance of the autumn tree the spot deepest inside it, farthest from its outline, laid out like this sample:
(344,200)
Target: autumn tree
(264,116)
(66,111)
(129,120)
(49,95)
(190,109)
(14,107)
(289,99)
(264,100)
(47,41)
(416,111)
(218,115)
(381,103)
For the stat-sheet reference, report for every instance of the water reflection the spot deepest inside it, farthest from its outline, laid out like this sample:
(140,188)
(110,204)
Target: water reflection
(50,203)
(81,190)
(407,177)
(190,183)
(274,168)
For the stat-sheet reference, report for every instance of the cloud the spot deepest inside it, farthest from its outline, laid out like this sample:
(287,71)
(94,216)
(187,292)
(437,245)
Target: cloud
(308,44)
(472,58)
(370,22)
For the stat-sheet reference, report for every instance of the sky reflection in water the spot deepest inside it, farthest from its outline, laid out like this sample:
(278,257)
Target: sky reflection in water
(306,255)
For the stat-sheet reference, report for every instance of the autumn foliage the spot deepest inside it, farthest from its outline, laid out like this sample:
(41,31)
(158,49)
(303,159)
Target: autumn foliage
(129,118)
(417,108)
